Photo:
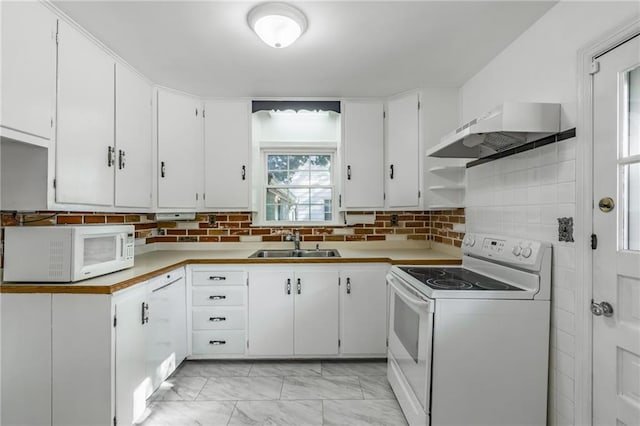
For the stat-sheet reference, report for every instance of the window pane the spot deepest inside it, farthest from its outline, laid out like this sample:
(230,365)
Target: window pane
(632,207)
(320,178)
(279,178)
(634,112)
(277,162)
(320,162)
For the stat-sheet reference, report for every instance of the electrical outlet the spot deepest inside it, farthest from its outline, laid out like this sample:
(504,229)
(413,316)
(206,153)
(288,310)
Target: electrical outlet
(212,220)
(394,220)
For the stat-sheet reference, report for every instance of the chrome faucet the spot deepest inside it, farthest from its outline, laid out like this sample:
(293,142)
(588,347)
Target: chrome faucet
(295,237)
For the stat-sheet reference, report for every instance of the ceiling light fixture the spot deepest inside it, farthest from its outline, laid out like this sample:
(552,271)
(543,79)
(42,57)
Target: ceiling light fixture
(277,24)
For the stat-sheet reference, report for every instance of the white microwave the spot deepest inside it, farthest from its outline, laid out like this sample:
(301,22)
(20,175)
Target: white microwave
(66,253)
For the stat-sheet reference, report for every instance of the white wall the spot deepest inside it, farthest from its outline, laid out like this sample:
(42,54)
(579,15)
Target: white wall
(523,195)
(541,64)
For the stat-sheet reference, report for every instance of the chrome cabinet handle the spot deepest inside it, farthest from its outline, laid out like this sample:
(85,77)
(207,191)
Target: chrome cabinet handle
(162,169)
(391,171)
(217,319)
(217,297)
(299,286)
(145,313)
(348,285)
(288,285)
(121,159)
(217,278)
(244,172)
(217,342)
(111,156)
(602,308)
(348,172)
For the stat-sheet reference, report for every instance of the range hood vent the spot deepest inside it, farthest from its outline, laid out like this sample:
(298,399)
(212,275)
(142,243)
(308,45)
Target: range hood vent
(507,126)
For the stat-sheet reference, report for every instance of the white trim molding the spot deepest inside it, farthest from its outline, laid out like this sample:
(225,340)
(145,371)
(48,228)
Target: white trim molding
(584,218)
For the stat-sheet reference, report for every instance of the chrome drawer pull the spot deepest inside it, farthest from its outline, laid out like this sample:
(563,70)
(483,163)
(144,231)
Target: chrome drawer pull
(217,297)
(217,278)
(217,342)
(217,319)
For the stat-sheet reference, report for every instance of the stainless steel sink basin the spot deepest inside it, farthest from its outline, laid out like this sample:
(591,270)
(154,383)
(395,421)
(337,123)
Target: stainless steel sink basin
(295,253)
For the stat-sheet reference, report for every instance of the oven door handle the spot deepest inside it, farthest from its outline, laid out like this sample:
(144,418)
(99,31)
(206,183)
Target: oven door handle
(408,297)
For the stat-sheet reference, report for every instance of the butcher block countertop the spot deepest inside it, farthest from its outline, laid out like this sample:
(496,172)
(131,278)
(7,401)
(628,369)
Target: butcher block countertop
(154,263)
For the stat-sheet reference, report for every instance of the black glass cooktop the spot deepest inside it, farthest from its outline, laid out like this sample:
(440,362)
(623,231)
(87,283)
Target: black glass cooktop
(455,279)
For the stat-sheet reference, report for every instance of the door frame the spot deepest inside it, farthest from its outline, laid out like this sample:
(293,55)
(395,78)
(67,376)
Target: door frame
(584,217)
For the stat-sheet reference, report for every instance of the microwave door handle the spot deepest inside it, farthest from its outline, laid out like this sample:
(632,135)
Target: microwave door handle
(121,247)
(408,297)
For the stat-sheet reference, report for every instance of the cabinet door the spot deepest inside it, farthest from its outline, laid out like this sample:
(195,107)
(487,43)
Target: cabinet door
(226,153)
(179,150)
(403,152)
(85,141)
(133,140)
(271,312)
(363,312)
(316,312)
(28,71)
(25,359)
(131,384)
(363,175)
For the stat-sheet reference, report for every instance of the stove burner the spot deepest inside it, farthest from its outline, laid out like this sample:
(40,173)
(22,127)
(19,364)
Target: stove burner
(493,285)
(450,284)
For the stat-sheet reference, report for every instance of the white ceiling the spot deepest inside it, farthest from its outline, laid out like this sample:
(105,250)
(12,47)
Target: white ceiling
(351,48)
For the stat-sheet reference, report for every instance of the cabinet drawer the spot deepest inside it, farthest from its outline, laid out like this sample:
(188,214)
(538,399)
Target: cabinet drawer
(218,342)
(219,278)
(218,296)
(219,318)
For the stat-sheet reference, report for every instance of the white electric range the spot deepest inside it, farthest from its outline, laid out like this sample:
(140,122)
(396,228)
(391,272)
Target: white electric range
(470,345)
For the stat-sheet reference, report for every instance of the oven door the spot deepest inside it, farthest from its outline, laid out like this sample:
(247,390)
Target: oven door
(410,337)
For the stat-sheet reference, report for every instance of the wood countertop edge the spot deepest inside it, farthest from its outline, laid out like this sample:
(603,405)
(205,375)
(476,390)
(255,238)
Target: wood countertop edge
(110,289)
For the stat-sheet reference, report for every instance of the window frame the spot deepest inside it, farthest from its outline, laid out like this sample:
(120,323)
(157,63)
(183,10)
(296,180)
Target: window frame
(263,185)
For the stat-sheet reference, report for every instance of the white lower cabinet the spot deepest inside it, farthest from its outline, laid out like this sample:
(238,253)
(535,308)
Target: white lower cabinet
(218,313)
(293,311)
(363,310)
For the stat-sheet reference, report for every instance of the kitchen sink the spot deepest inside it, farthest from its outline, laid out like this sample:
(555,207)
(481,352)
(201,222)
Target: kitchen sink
(295,253)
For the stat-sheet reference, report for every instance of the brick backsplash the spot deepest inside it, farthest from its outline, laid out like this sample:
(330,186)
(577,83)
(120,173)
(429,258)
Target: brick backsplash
(236,227)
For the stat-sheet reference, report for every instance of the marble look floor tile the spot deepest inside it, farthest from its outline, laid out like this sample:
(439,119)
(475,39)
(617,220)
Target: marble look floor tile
(241,388)
(190,413)
(281,413)
(214,368)
(364,413)
(376,387)
(319,387)
(285,368)
(179,389)
(350,368)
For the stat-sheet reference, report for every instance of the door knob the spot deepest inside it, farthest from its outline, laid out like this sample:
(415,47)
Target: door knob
(606,204)
(602,308)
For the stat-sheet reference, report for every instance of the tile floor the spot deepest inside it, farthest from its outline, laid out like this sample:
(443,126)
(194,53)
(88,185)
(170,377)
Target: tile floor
(208,393)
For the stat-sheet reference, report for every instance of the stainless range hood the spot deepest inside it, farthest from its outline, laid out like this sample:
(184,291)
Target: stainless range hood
(506,126)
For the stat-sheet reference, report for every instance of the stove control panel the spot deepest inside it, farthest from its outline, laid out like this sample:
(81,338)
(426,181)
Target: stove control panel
(509,250)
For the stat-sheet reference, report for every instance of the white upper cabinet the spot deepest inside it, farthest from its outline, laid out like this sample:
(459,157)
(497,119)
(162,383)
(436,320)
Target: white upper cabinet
(179,150)
(404,174)
(226,154)
(28,72)
(133,140)
(363,148)
(85,151)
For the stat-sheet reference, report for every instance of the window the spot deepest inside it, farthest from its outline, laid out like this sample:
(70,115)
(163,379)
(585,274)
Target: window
(299,187)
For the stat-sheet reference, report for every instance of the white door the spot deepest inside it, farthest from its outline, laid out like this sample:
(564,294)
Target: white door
(133,139)
(226,154)
(363,174)
(403,152)
(28,69)
(616,261)
(316,312)
(271,294)
(179,150)
(363,311)
(131,385)
(85,135)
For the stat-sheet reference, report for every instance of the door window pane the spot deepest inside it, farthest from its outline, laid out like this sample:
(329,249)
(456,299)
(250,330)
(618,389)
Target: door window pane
(633,88)
(631,213)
